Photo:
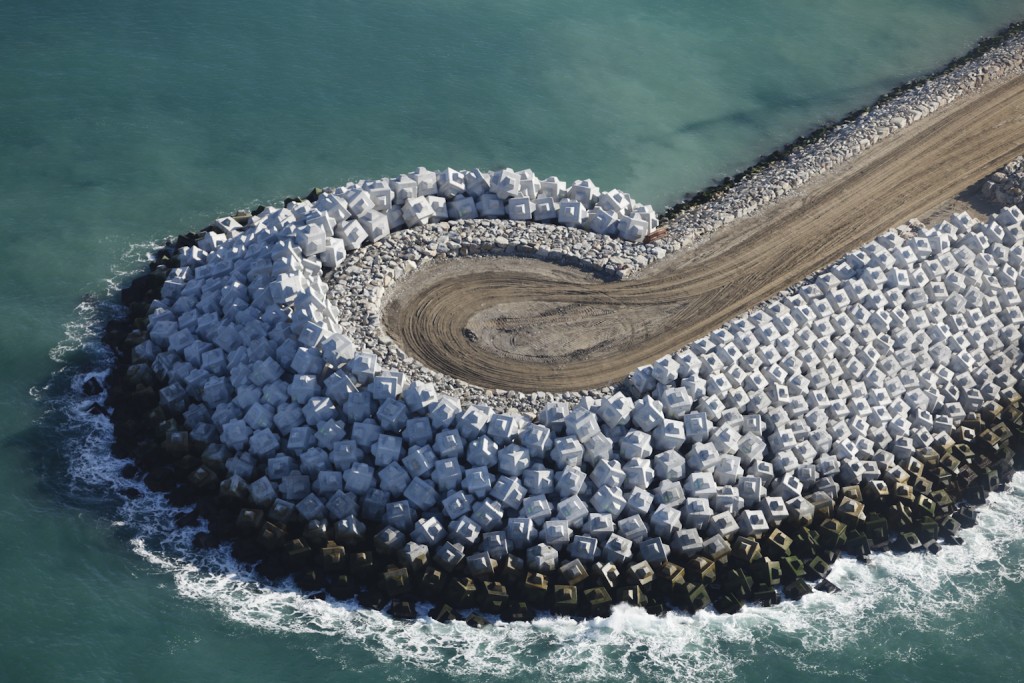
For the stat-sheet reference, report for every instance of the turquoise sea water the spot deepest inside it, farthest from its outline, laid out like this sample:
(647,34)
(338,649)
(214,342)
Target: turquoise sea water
(124,122)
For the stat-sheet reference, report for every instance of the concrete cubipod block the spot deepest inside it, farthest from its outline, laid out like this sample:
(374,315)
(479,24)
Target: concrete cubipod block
(583,548)
(582,424)
(505,184)
(638,502)
(387,385)
(654,551)
(294,486)
(489,205)
(320,411)
(449,444)
(687,543)
(349,529)
(438,208)
(387,449)
(311,508)
(570,482)
(281,510)
(520,208)
(509,492)
(488,514)
(599,525)
(482,452)
(264,442)
(727,499)
(456,505)
(542,558)
(504,428)
(262,492)
(800,510)
(473,421)
(380,193)
(420,494)
(540,481)
(464,531)
(359,201)
(669,493)
(313,461)
(536,439)
(635,444)
(418,431)
(702,458)
(351,233)
(358,407)
(393,479)
(279,466)
(728,470)
(608,500)
(607,473)
(417,211)
(751,490)
(403,188)
(774,510)
(546,209)
(639,474)
(537,508)
(513,460)
(716,547)
(449,555)
(495,544)
(477,182)
(696,512)
(583,191)
(787,487)
(520,532)
(666,521)
(359,478)
(696,426)
(647,414)
(566,452)
(602,222)
(428,531)
(462,208)
(676,403)
(312,239)
(751,448)
(572,213)
(615,201)
(477,481)
(529,184)
(723,524)
(451,182)
(700,485)
(785,462)
(752,523)
(426,181)
(556,533)
(617,549)
(670,435)
(399,514)
(553,187)
(669,465)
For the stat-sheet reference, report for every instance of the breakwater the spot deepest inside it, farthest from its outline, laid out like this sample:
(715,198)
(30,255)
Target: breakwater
(866,409)
(870,408)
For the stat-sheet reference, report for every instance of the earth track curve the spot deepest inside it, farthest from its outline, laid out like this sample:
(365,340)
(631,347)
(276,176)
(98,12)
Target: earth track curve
(526,325)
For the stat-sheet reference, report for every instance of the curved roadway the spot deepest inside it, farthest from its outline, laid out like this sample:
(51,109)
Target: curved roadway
(531,326)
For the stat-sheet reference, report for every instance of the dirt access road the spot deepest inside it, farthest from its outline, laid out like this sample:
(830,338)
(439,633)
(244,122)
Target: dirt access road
(522,324)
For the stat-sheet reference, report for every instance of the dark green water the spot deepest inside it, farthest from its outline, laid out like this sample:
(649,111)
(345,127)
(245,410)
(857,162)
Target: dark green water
(124,122)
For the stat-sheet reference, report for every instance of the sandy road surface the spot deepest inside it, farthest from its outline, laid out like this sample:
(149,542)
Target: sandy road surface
(527,325)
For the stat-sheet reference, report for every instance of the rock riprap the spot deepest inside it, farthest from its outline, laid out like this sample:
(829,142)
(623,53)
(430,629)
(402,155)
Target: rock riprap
(868,408)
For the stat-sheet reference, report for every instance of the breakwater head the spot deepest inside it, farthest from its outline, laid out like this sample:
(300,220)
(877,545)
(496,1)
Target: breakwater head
(869,408)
